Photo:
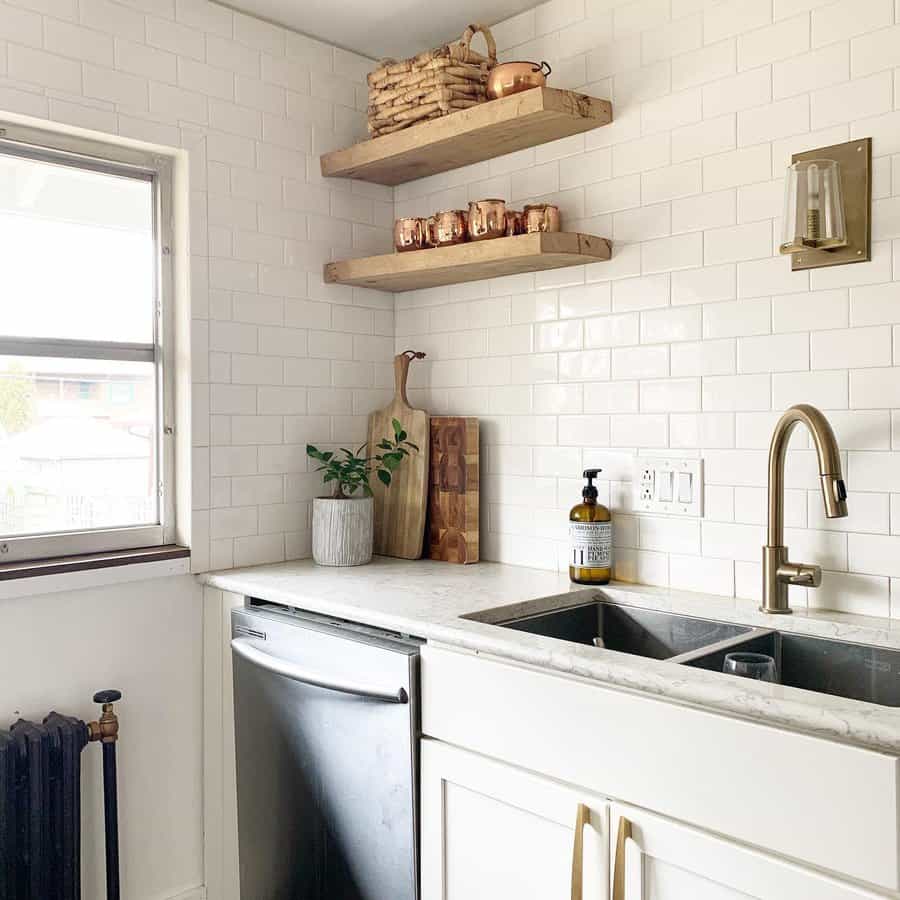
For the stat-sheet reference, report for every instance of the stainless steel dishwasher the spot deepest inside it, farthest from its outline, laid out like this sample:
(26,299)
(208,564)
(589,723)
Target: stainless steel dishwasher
(326,741)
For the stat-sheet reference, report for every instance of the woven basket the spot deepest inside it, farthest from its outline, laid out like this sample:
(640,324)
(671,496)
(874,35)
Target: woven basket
(430,85)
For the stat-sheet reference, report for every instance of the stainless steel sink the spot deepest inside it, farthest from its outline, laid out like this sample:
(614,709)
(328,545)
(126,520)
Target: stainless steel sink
(839,668)
(853,671)
(643,632)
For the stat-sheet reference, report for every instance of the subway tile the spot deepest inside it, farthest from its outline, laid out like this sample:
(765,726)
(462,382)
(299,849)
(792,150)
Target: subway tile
(874,471)
(763,200)
(705,211)
(847,18)
(856,99)
(558,398)
(671,253)
(696,573)
(875,388)
(669,535)
(707,137)
(582,431)
(811,71)
(640,362)
(611,331)
(672,39)
(805,311)
(711,63)
(709,430)
(670,395)
(671,111)
(774,353)
(734,17)
(643,223)
(874,554)
(646,292)
(611,397)
(769,276)
(638,431)
(862,595)
(660,326)
(775,120)
(851,348)
(703,285)
(646,153)
(730,393)
(738,167)
(704,358)
(876,271)
(46,69)
(827,390)
(783,40)
(584,365)
(583,300)
(610,196)
(737,242)
(737,318)
(738,92)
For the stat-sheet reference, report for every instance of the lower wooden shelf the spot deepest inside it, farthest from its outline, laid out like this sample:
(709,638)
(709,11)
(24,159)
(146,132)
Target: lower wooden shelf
(474,261)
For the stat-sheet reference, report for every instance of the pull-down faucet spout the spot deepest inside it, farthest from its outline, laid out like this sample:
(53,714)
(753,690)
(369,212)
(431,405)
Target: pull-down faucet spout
(778,572)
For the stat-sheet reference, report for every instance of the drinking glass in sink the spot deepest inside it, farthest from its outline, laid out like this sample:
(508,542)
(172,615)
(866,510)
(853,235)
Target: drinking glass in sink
(750,665)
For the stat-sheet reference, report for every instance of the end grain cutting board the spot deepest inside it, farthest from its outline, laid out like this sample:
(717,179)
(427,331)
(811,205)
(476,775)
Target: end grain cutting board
(453,491)
(400,508)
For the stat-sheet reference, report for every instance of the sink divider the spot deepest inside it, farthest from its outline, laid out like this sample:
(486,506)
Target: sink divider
(723,646)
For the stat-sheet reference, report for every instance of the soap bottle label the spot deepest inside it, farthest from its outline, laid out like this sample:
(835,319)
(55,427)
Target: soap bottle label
(591,544)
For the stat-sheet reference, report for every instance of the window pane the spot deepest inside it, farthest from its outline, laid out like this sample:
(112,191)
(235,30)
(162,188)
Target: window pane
(77,445)
(78,253)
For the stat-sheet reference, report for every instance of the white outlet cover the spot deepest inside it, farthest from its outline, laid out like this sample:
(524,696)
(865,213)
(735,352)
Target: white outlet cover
(649,474)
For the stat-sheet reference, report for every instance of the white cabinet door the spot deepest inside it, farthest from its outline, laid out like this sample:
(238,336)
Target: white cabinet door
(491,831)
(654,858)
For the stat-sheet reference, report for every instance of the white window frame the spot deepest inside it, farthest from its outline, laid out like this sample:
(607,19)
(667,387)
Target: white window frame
(114,159)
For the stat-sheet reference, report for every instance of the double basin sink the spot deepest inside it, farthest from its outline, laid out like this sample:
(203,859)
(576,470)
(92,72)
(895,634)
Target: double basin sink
(840,668)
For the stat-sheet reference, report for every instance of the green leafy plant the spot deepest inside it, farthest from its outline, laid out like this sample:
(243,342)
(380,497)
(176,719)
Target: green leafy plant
(350,472)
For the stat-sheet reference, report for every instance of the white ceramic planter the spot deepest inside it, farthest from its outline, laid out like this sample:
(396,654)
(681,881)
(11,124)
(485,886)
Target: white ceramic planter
(343,531)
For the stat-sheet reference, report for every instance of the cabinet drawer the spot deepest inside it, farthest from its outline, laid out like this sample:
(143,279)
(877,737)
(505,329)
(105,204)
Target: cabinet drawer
(820,802)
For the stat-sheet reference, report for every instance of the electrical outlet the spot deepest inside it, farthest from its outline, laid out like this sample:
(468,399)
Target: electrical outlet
(670,486)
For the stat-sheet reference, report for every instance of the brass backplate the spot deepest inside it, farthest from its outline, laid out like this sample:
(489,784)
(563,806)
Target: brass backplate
(855,158)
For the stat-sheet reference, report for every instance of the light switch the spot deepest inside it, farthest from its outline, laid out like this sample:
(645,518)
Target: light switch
(685,492)
(664,487)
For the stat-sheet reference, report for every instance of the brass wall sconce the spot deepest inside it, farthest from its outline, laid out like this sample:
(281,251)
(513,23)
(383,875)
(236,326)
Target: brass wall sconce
(827,206)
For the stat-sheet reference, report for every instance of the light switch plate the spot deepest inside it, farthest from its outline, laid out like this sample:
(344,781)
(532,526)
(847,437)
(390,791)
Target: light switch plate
(660,483)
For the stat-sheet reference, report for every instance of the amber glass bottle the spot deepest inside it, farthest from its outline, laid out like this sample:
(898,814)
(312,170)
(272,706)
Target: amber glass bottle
(590,537)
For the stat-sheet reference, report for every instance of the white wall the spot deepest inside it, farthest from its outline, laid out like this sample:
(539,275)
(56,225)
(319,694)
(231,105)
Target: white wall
(695,336)
(143,638)
(277,360)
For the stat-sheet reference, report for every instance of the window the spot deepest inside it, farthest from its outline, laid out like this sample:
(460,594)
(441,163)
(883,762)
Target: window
(85,384)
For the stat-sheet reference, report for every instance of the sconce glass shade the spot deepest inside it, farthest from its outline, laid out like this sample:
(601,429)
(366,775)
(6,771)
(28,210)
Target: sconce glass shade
(813,207)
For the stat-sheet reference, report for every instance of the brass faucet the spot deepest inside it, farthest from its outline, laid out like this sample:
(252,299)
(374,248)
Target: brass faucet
(778,572)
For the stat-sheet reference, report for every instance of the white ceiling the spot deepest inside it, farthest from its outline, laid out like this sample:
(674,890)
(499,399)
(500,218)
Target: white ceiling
(379,28)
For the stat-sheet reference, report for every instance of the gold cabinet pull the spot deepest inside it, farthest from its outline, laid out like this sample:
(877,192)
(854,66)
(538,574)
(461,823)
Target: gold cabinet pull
(582,819)
(619,870)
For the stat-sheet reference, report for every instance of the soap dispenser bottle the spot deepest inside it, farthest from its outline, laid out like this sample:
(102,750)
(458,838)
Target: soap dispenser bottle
(590,537)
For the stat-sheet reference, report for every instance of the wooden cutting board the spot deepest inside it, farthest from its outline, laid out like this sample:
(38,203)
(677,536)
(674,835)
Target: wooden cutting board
(400,508)
(453,489)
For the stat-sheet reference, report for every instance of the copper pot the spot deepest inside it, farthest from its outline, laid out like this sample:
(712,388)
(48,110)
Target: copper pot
(446,228)
(541,217)
(409,234)
(487,219)
(513,77)
(515,222)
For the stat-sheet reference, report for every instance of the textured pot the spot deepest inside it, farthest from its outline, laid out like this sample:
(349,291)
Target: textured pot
(342,531)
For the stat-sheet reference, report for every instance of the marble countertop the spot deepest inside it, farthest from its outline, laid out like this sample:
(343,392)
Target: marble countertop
(432,600)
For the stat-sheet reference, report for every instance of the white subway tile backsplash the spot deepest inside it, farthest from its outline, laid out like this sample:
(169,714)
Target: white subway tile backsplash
(827,390)
(611,331)
(851,348)
(875,388)
(737,318)
(819,69)
(774,353)
(729,393)
(798,312)
(847,18)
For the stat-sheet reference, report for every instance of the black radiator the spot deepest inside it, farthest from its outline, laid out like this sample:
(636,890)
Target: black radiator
(40,805)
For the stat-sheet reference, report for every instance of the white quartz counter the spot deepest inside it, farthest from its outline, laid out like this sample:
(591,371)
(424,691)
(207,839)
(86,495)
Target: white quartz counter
(429,600)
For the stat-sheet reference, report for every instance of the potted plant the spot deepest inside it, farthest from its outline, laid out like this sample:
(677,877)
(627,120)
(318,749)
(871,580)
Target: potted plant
(342,525)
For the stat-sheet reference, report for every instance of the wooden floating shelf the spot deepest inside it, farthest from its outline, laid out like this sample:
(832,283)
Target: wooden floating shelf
(417,269)
(471,135)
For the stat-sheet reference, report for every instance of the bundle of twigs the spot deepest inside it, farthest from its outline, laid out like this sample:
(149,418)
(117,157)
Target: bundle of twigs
(432,84)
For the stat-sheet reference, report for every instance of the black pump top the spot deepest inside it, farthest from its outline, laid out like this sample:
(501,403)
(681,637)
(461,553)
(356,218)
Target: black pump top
(590,492)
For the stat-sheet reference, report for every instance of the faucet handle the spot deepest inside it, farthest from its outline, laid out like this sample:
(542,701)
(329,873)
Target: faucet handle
(803,574)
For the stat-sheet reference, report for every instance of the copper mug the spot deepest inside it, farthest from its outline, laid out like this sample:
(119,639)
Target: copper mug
(515,222)
(513,77)
(446,228)
(541,217)
(409,234)
(487,219)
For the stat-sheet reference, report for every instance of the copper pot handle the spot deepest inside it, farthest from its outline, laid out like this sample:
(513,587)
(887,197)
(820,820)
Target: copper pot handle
(470,32)
(540,68)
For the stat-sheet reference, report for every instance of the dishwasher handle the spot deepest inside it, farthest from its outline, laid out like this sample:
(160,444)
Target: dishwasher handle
(244,648)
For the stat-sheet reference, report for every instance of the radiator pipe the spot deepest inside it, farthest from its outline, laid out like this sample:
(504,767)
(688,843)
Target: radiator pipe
(106,730)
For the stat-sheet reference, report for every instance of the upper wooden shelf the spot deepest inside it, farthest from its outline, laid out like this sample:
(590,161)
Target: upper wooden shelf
(417,269)
(471,135)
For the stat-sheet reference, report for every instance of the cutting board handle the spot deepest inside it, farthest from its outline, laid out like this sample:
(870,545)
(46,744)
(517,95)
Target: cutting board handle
(401,371)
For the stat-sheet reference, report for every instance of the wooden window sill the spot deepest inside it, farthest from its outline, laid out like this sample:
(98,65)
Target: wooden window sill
(60,565)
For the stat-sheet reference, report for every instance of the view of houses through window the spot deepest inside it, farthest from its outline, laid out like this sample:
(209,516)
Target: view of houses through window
(78,367)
